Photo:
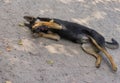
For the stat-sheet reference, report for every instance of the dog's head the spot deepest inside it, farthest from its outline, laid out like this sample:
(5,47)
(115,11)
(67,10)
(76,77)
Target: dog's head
(39,24)
(31,21)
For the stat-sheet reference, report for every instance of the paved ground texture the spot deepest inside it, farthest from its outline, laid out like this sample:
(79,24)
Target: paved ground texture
(24,59)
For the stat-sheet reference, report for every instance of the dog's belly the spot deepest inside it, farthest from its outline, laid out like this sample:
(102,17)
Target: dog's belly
(69,35)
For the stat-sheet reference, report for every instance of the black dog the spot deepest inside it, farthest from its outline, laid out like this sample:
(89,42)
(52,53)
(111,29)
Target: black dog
(71,31)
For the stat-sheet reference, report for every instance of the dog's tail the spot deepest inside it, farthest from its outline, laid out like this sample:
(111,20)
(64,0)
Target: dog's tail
(101,40)
(112,45)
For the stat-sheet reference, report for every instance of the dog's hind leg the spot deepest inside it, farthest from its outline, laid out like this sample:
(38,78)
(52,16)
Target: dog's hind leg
(90,49)
(114,66)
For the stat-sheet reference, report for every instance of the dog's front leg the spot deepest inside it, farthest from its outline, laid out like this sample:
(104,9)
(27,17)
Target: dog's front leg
(48,24)
(48,35)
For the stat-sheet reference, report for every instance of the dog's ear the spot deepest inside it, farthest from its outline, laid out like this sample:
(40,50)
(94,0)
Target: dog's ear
(29,18)
(44,19)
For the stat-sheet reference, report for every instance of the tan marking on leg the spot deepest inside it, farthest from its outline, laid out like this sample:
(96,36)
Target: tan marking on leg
(49,24)
(50,36)
(98,61)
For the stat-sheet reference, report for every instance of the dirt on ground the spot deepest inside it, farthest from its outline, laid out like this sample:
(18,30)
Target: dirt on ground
(24,59)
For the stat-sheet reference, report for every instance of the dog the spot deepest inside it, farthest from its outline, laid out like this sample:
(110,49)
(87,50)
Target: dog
(90,40)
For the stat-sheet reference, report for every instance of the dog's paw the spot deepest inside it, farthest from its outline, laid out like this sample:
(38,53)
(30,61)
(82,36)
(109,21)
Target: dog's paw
(115,68)
(97,65)
(57,39)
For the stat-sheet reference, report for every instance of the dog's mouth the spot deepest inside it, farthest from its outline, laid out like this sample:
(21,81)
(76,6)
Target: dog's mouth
(40,29)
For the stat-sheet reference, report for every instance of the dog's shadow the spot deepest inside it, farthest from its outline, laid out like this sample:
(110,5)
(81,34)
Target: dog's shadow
(62,46)
(71,49)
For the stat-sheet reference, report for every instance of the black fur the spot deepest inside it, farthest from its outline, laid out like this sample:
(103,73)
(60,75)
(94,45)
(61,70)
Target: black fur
(73,30)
